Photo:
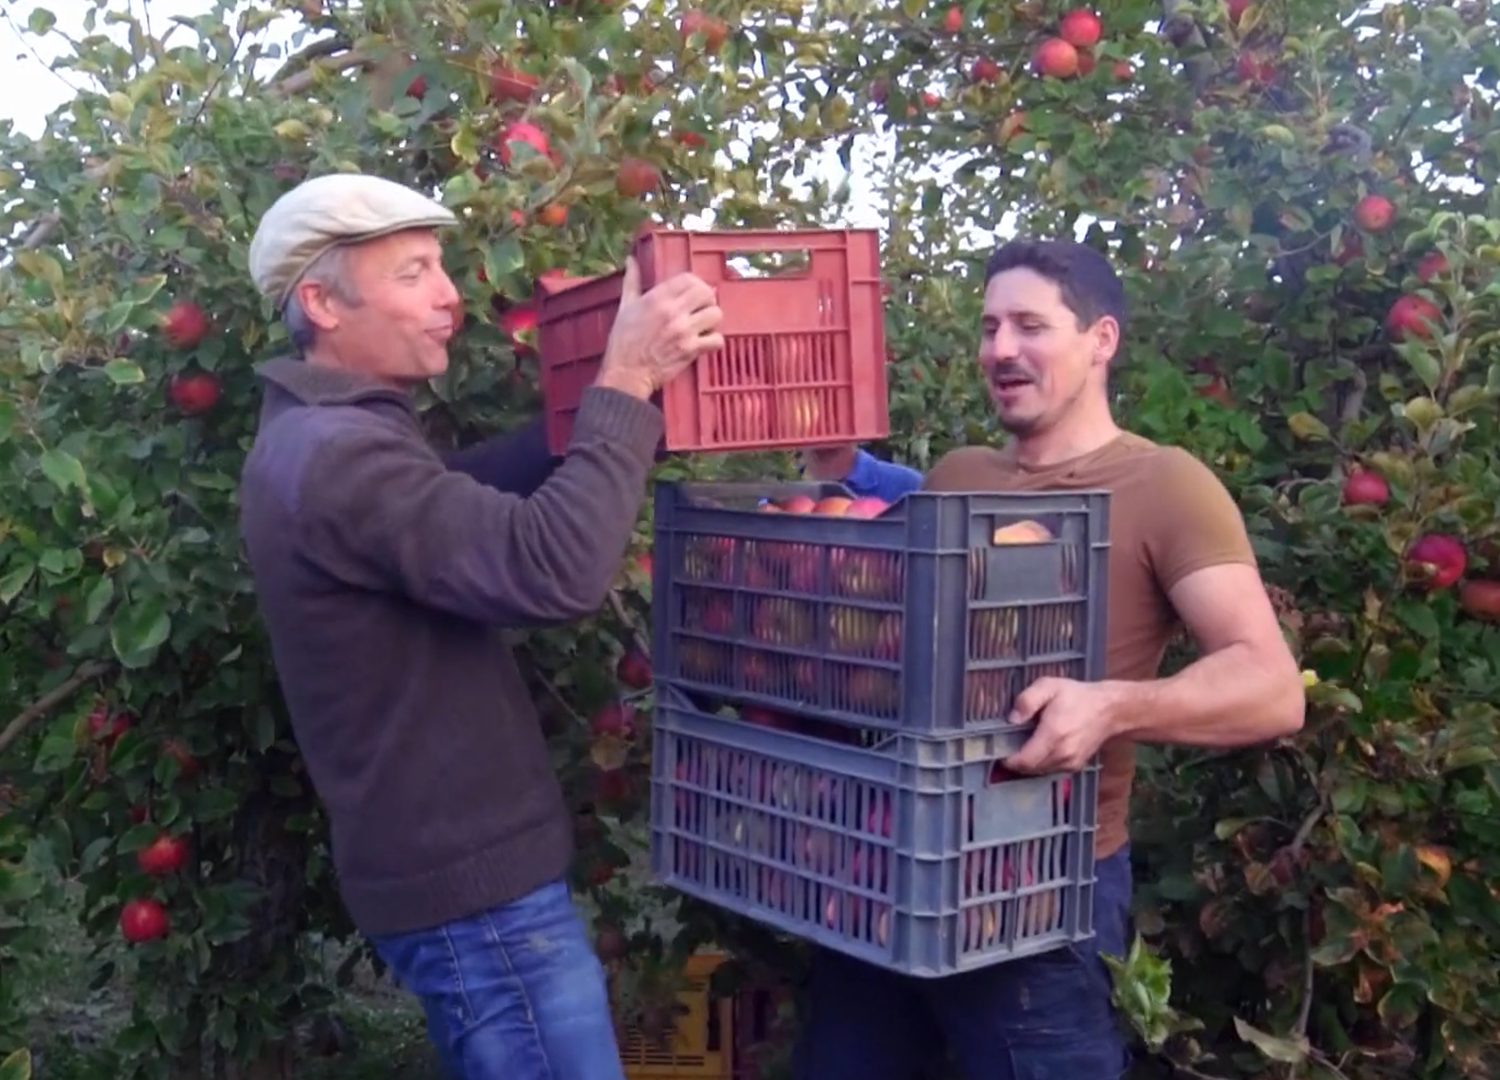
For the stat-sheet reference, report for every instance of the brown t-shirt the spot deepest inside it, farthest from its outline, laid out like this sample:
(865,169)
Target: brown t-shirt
(1169,516)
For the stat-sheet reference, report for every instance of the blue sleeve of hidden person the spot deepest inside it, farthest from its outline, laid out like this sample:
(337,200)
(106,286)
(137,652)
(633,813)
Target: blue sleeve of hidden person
(883,479)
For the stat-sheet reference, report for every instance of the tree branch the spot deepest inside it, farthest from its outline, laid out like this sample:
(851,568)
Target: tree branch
(637,638)
(1304,1014)
(1304,830)
(316,51)
(44,705)
(303,80)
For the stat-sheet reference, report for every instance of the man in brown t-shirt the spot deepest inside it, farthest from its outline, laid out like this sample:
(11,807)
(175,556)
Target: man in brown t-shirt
(1179,555)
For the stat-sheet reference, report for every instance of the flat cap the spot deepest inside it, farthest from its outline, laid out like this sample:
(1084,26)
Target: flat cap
(328,210)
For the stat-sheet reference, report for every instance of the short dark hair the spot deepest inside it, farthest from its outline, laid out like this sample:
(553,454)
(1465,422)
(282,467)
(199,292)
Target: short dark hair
(1089,285)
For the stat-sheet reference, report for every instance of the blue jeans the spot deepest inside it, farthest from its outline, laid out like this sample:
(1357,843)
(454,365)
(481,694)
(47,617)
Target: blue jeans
(513,993)
(1047,1017)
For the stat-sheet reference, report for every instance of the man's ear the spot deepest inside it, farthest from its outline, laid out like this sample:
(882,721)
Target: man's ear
(317,304)
(1106,339)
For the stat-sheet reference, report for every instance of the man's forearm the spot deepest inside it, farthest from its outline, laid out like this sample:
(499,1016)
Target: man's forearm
(518,462)
(1235,697)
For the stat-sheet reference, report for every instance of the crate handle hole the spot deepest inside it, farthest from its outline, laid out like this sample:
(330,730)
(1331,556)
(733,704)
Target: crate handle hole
(776,262)
(999,774)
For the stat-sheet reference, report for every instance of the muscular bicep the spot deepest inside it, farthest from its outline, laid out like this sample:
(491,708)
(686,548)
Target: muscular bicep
(1227,605)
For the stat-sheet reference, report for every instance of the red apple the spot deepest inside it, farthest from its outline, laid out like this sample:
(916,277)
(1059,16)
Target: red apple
(1081,29)
(634,670)
(521,132)
(635,178)
(144,920)
(1433,265)
(714,30)
(507,84)
(1237,9)
(985,70)
(163,856)
(1481,599)
(800,415)
(184,325)
(517,320)
(867,506)
(194,393)
(615,719)
(106,727)
(1255,69)
(1363,488)
(1413,316)
(1014,124)
(1056,58)
(1437,561)
(1374,213)
(187,765)
(953,20)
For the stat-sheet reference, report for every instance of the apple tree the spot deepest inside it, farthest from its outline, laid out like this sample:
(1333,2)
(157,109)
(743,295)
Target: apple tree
(150,755)
(1299,198)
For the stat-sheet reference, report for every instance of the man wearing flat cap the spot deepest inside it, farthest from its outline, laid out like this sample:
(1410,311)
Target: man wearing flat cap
(387,575)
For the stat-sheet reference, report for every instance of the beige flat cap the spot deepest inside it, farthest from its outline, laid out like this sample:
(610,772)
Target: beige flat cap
(327,210)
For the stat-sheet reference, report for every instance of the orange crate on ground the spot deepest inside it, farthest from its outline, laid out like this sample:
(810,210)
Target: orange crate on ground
(803,362)
(702,1042)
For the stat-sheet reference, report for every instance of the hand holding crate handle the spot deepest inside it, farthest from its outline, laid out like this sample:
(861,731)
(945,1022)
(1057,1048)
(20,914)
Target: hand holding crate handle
(658,334)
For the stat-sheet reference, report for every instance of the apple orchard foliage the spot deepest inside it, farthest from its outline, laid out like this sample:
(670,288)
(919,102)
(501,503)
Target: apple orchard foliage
(1293,200)
(129,328)
(1270,176)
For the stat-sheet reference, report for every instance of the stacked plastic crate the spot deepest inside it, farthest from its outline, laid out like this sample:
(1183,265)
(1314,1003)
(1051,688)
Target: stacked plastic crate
(834,700)
(834,677)
(804,356)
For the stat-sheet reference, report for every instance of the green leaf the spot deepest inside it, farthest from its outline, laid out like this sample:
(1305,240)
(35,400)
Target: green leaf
(64,470)
(12,583)
(98,599)
(94,852)
(1420,618)
(1423,364)
(124,373)
(1229,826)
(117,316)
(504,259)
(41,21)
(137,837)
(138,630)
(145,289)
(215,803)
(1290,1051)
(18,1065)
(1307,427)
(17,885)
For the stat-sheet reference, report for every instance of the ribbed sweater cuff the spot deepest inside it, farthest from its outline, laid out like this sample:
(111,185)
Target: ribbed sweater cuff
(621,419)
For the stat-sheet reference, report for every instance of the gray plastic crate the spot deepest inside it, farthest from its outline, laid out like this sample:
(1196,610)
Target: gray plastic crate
(917,854)
(914,621)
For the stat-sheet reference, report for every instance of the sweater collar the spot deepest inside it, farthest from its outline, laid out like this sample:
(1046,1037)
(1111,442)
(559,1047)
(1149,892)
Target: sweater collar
(314,384)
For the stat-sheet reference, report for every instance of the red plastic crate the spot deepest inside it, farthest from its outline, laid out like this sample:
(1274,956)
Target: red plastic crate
(803,362)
